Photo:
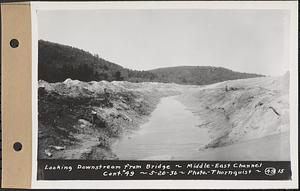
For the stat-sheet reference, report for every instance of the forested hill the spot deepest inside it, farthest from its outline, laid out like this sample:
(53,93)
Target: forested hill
(58,62)
(199,75)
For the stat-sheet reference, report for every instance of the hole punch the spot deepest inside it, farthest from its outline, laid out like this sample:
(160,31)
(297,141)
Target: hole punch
(14,43)
(17,146)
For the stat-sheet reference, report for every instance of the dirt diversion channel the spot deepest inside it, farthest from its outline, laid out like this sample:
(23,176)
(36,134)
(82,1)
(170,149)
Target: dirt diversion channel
(170,133)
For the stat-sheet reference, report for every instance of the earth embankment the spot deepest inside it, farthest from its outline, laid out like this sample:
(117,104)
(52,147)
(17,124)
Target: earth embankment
(240,110)
(75,118)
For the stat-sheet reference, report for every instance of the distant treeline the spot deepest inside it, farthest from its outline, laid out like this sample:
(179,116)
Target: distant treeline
(58,62)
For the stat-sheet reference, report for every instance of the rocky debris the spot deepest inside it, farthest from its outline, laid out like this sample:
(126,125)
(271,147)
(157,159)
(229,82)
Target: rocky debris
(48,153)
(232,88)
(104,141)
(259,104)
(84,123)
(58,148)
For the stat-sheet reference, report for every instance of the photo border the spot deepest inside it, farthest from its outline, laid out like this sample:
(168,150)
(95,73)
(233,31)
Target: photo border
(292,6)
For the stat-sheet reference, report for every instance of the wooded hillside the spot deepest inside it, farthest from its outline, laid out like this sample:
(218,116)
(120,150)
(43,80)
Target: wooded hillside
(58,62)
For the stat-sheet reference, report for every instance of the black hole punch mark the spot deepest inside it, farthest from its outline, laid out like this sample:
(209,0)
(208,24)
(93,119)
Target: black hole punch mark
(17,146)
(14,43)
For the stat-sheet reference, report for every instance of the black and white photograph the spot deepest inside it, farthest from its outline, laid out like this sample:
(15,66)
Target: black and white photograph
(164,84)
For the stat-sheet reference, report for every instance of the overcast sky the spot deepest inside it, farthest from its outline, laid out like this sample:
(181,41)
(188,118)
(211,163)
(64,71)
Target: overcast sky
(253,41)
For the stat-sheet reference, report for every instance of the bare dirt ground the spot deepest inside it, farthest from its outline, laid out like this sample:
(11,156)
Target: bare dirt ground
(237,115)
(240,110)
(269,148)
(67,129)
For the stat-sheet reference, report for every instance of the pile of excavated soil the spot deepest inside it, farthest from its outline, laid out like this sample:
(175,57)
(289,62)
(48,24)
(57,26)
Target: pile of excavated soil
(78,120)
(240,110)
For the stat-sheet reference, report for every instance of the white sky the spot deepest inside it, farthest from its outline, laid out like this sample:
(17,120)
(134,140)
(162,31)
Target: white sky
(253,41)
